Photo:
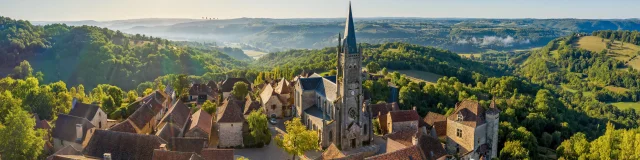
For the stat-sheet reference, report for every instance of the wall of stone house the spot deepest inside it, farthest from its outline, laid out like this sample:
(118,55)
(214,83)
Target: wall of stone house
(197,132)
(225,95)
(393,146)
(57,144)
(402,126)
(268,107)
(328,129)
(466,142)
(480,136)
(230,135)
(307,99)
(493,122)
(100,120)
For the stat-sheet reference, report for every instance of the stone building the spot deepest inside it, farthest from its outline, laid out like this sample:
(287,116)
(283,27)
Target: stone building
(275,101)
(200,93)
(92,113)
(472,131)
(399,121)
(334,105)
(200,125)
(70,131)
(229,123)
(227,86)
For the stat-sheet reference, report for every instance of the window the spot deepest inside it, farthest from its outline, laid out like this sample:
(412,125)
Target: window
(459,133)
(365,131)
(330,136)
(460,118)
(273,107)
(99,124)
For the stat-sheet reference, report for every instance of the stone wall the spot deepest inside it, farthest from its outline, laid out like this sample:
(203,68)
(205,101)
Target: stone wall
(100,120)
(230,135)
(402,126)
(58,144)
(197,132)
(273,101)
(466,142)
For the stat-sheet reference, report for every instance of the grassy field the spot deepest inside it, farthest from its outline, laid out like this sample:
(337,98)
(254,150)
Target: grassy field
(420,76)
(625,105)
(619,51)
(467,55)
(616,89)
(254,54)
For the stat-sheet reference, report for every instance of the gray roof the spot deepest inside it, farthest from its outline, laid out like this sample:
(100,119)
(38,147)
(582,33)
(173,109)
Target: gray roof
(349,40)
(325,86)
(122,145)
(65,127)
(314,111)
(87,111)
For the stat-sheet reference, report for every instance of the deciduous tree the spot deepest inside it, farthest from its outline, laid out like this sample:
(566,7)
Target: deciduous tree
(298,139)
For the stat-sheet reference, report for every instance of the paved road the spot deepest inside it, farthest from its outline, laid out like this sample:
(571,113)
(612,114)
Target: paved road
(269,152)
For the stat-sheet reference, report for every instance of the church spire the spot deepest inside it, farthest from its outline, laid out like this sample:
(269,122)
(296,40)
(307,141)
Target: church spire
(349,40)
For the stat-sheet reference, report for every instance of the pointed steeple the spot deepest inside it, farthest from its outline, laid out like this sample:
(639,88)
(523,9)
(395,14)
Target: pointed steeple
(349,40)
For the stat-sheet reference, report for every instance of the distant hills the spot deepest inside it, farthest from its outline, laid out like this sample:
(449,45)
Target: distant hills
(456,34)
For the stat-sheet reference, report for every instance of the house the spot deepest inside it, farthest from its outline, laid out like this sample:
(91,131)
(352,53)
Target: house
(438,122)
(229,123)
(200,93)
(217,154)
(150,110)
(168,131)
(121,145)
(92,113)
(187,144)
(275,101)
(333,153)
(178,114)
(214,86)
(70,131)
(250,106)
(160,154)
(409,153)
(44,125)
(67,150)
(227,86)
(383,108)
(472,131)
(200,125)
(400,120)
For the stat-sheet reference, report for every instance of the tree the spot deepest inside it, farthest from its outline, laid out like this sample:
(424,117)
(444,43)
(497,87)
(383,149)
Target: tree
(18,139)
(209,107)
(22,71)
(514,150)
(108,105)
(259,127)
(376,126)
(148,91)
(373,67)
(117,94)
(384,71)
(7,103)
(131,96)
(180,84)
(240,90)
(298,139)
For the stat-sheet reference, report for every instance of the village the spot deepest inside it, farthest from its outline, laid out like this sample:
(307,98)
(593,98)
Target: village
(348,125)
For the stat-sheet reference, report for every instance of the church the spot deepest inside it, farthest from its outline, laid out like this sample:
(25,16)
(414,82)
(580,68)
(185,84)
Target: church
(334,106)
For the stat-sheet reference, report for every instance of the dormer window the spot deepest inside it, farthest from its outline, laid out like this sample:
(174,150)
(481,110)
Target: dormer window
(460,118)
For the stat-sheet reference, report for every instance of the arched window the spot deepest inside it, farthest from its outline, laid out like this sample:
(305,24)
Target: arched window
(330,136)
(365,130)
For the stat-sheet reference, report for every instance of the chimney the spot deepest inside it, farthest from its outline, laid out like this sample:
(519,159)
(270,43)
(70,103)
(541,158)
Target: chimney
(414,139)
(73,103)
(107,156)
(163,147)
(78,132)
(414,108)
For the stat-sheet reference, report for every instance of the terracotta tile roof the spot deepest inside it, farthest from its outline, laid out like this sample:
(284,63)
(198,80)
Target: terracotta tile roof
(404,137)
(230,112)
(202,120)
(186,144)
(332,152)
(266,94)
(227,85)
(65,127)
(382,109)
(124,126)
(168,131)
(201,89)
(122,145)
(142,116)
(217,154)
(472,113)
(43,124)
(87,111)
(438,121)
(431,147)
(251,106)
(404,115)
(171,155)
(283,87)
(410,153)
(178,114)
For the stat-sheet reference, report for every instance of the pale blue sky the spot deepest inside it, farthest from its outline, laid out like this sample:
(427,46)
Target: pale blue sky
(54,10)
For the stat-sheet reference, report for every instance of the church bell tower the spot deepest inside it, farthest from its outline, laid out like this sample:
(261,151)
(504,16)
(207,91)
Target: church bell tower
(350,98)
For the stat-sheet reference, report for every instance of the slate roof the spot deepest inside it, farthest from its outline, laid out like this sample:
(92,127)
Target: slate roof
(65,127)
(404,137)
(169,131)
(178,114)
(67,150)
(159,154)
(333,152)
(202,120)
(473,114)
(227,85)
(122,145)
(230,112)
(309,83)
(186,144)
(410,153)
(432,148)
(404,115)
(87,111)
(213,85)
(201,89)
(143,115)
(124,126)
(325,86)
(217,154)
(438,121)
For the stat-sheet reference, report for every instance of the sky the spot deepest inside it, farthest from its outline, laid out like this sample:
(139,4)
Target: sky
(101,10)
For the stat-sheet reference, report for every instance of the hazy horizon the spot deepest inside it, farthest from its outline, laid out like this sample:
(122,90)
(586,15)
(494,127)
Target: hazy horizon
(79,10)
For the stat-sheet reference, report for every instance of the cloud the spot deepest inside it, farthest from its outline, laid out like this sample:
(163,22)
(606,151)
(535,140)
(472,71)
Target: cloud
(493,41)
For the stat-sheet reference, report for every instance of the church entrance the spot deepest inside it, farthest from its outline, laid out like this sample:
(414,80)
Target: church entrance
(353,143)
